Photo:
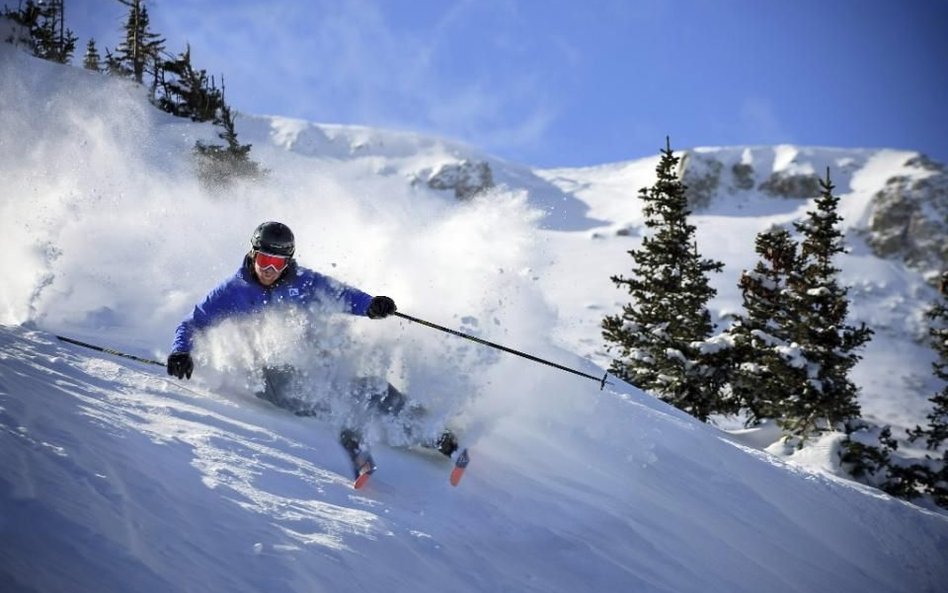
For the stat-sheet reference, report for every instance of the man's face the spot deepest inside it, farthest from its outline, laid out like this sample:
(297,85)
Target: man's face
(268,267)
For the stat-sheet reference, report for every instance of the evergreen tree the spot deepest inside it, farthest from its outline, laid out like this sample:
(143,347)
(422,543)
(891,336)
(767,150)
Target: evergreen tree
(46,24)
(91,60)
(828,397)
(57,43)
(937,430)
(140,49)
(869,455)
(219,165)
(871,458)
(187,92)
(661,336)
(768,364)
(27,17)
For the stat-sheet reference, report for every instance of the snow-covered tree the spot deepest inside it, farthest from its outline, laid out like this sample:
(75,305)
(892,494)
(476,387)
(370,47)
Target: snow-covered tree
(937,430)
(219,165)
(91,60)
(140,48)
(660,337)
(56,42)
(187,92)
(828,397)
(870,455)
(46,23)
(768,366)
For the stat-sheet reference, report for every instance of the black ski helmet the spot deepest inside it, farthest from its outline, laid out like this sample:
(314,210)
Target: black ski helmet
(274,238)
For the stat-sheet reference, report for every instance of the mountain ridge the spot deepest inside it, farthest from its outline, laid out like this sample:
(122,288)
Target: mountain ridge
(907,218)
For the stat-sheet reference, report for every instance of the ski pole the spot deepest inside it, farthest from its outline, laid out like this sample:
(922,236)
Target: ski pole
(602,382)
(110,351)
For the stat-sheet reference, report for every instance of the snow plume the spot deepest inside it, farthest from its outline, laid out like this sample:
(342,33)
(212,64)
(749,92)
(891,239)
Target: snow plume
(94,189)
(119,238)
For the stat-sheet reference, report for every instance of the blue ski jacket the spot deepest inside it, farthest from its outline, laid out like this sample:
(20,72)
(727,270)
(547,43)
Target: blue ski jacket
(242,294)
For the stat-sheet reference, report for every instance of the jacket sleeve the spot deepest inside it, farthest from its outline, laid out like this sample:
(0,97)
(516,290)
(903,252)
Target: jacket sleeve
(216,305)
(351,299)
(357,302)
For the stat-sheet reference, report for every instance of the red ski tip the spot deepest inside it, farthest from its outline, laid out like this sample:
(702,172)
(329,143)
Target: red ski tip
(460,465)
(361,481)
(365,470)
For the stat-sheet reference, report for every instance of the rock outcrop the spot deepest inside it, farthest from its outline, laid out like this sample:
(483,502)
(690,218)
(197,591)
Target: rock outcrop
(909,220)
(466,178)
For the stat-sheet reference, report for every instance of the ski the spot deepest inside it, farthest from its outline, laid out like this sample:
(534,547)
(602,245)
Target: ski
(362,463)
(363,466)
(460,464)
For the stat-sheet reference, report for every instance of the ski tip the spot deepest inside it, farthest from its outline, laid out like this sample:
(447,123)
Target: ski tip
(362,478)
(365,468)
(361,481)
(460,464)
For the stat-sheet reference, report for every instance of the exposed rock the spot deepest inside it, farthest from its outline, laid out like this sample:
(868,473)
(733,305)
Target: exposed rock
(743,175)
(705,177)
(701,174)
(922,161)
(465,178)
(792,185)
(909,219)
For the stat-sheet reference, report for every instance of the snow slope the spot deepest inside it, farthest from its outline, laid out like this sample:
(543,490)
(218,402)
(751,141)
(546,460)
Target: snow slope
(114,477)
(117,479)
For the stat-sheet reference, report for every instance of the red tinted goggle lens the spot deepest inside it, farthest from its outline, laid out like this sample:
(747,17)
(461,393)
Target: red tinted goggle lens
(265,260)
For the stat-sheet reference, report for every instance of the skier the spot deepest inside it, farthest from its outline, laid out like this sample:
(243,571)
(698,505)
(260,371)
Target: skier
(270,277)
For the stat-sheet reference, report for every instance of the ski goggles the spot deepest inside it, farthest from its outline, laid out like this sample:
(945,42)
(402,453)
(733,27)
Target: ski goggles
(266,260)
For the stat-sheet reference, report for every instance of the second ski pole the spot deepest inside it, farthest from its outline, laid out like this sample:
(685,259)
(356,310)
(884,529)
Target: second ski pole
(602,381)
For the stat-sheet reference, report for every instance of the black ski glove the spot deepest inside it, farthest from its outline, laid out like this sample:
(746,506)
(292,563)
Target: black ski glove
(381,306)
(180,364)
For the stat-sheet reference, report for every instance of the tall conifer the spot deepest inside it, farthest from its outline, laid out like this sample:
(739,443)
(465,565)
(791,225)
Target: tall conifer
(827,397)
(220,165)
(187,92)
(91,60)
(46,24)
(769,369)
(936,433)
(141,47)
(658,338)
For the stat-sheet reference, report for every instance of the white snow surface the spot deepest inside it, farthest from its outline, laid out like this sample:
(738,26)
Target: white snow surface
(115,477)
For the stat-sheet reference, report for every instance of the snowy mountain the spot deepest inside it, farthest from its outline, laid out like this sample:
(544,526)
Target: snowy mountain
(115,477)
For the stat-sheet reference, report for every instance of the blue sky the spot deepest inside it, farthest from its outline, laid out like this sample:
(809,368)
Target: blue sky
(572,83)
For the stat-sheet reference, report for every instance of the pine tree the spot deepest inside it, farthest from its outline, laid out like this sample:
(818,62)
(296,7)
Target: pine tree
(660,337)
(937,430)
(91,60)
(219,165)
(27,17)
(828,397)
(45,22)
(187,92)
(872,458)
(140,48)
(59,43)
(768,366)
(113,64)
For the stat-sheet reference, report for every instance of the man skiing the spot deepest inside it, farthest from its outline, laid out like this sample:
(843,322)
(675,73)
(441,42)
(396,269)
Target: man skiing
(270,277)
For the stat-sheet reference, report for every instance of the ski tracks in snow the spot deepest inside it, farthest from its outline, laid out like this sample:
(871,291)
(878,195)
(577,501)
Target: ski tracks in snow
(245,464)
